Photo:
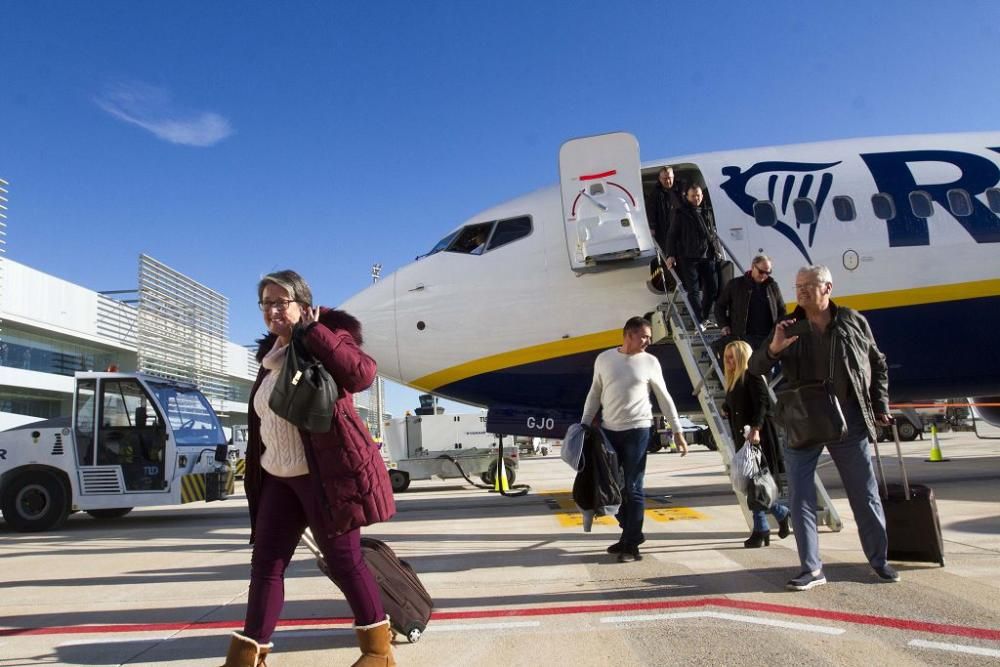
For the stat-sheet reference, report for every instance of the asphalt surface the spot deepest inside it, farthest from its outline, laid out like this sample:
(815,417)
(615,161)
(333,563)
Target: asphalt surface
(516,581)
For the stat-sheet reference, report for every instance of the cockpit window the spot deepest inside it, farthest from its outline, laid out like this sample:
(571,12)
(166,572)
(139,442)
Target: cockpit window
(472,239)
(508,231)
(444,243)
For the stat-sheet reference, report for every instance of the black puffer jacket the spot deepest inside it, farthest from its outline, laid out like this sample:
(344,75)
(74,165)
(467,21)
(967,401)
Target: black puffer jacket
(856,358)
(692,234)
(598,484)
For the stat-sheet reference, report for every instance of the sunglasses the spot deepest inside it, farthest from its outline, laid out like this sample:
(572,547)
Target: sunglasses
(762,271)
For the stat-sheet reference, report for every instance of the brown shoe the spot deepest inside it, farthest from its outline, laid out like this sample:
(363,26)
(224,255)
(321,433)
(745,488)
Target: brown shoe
(245,652)
(375,641)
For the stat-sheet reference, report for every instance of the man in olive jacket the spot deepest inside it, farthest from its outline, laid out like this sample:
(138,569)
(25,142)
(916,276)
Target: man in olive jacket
(840,338)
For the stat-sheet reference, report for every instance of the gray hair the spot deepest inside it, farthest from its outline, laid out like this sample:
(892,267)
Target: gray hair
(819,272)
(288,280)
(761,258)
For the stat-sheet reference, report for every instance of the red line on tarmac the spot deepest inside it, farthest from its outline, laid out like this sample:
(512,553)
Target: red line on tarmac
(845,617)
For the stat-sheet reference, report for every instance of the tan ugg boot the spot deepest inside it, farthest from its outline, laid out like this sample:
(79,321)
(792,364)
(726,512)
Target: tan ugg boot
(375,641)
(245,652)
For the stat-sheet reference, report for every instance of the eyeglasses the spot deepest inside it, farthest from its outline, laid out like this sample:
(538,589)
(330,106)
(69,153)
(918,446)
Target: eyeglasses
(762,271)
(282,304)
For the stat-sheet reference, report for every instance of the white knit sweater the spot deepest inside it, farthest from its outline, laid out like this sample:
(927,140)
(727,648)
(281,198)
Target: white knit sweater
(621,386)
(284,455)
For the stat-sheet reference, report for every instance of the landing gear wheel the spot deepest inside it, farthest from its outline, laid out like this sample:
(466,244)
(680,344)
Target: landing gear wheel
(35,501)
(113,513)
(490,475)
(545,451)
(399,480)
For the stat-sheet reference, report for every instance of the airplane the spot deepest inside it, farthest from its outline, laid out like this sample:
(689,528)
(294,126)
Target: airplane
(908,225)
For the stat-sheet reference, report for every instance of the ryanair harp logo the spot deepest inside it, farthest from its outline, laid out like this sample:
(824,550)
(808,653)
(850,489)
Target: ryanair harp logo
(781,183)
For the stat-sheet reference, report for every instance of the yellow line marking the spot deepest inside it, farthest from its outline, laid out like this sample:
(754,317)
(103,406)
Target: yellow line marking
(569,516)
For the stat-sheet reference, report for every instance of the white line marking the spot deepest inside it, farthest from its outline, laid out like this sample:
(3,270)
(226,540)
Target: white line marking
(806,627)
(117,640)
(455,627)
(956,648)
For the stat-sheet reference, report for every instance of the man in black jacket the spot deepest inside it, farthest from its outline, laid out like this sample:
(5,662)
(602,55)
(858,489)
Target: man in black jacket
(664,201)
(693,247)
(750,305)
(841,349)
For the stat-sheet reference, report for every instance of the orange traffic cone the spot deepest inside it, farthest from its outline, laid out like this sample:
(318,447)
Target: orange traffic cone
(935,456)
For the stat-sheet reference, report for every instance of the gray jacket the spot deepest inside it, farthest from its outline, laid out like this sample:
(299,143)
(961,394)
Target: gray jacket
(856,357)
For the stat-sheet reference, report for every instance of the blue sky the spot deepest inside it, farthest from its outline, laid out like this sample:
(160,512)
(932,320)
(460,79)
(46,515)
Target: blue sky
(229,139)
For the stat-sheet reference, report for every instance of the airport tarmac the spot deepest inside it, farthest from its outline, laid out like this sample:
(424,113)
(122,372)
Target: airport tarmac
(516,581)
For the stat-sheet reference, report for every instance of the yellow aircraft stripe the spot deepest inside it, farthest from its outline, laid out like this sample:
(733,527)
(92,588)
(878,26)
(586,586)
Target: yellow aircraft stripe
(606,339)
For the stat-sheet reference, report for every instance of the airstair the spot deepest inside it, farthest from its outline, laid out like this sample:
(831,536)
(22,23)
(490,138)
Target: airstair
(675,321)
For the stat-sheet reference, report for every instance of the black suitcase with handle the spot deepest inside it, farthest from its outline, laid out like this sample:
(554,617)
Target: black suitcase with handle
(405,599)
(911,516)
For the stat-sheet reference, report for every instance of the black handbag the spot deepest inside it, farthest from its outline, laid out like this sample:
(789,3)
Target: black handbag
(304,392)
(810,413)
(762,490)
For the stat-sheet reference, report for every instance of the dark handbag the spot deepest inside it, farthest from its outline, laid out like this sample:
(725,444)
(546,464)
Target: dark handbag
(811,414)
(304,392)
(762,490)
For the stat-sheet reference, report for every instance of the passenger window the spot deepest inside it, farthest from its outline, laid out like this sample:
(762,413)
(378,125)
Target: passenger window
(764,213)
(508,231)
(921,204)
(883,206)
(843,208)
(960,202)
(805,211)
(993,197)
(472,239)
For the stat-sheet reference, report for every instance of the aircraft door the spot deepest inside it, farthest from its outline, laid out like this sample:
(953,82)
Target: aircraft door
(603,210)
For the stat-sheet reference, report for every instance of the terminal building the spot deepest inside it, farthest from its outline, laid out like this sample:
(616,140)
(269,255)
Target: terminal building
(169,326)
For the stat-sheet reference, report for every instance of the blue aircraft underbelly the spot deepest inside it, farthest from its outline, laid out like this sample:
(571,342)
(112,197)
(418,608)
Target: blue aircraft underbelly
(936,350)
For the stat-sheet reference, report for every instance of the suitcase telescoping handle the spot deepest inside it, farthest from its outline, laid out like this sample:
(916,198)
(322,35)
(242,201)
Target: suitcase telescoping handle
(902,464)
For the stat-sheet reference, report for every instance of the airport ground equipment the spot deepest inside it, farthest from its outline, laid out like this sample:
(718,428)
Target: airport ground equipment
(132,440)
(675,319)
(426,446)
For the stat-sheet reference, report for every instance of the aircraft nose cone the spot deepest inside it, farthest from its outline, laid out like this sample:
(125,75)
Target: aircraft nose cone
(376,309)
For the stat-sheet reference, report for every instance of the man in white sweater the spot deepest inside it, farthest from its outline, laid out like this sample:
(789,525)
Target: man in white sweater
(623,378)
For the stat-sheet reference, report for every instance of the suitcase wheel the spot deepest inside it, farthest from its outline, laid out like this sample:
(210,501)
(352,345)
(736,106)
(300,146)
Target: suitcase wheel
(413,633)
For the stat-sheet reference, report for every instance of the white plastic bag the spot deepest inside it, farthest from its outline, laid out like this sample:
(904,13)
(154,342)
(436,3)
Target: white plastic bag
(746,464)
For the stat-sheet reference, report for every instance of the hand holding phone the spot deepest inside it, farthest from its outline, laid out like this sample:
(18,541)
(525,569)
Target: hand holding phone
(798,328)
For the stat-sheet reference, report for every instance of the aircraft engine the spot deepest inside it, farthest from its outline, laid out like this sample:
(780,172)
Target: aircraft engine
(989,413)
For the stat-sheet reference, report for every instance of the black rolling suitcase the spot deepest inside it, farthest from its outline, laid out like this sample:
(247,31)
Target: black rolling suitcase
(911,516)
(405,599)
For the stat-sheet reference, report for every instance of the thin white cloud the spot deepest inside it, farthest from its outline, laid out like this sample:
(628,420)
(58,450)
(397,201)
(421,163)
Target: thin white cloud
(153,109)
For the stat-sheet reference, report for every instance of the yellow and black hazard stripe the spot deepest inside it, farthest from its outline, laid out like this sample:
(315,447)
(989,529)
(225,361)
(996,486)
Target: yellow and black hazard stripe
(204,486)
(241,468)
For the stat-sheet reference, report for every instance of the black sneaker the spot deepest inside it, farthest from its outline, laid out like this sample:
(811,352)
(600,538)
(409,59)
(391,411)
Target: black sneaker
(629,554)
(886,574)
(618,546)
(805,581)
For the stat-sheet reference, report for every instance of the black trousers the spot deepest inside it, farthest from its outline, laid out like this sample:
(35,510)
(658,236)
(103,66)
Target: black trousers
(700,278)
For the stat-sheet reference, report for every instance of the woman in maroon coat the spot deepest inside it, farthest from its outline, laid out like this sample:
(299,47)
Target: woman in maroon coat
(333,482)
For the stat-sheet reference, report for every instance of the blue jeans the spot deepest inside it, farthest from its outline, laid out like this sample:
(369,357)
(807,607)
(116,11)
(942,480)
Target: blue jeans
(779,512)
(855,467)
(631,449)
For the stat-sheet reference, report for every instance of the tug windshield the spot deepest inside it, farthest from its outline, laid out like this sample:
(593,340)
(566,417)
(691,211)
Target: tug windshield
(190,415)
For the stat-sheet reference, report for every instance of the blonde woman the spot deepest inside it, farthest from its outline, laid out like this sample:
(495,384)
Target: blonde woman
(748,404)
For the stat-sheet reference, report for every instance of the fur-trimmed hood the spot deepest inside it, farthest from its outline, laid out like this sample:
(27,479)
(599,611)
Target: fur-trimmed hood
(331,318)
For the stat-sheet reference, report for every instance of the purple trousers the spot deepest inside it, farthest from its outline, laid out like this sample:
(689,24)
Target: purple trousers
(287,506)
